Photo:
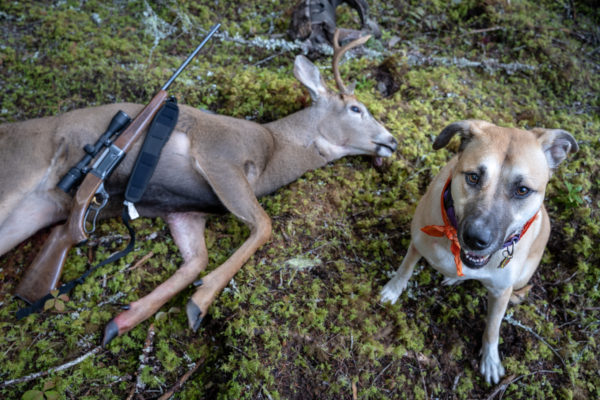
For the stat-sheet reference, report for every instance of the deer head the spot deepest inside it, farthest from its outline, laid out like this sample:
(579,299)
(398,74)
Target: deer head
(343,124)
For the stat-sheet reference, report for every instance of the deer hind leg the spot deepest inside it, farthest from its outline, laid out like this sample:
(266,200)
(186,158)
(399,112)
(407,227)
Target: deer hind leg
(234,191)
(187,230)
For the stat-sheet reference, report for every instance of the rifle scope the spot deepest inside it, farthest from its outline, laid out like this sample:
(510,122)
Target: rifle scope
(75,175)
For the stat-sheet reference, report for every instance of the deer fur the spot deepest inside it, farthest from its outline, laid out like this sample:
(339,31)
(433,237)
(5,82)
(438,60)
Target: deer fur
(211,162)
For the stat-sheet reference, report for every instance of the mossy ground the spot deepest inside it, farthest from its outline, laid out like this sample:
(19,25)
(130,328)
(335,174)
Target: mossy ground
(302,319)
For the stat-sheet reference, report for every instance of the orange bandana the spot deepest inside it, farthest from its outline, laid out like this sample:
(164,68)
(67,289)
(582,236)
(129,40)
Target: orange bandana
(447,230)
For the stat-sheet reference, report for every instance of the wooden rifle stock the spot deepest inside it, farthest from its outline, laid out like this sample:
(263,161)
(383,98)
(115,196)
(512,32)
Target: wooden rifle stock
(43,274)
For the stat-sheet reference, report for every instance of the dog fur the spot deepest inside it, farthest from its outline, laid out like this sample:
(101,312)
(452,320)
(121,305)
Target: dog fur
(499,178)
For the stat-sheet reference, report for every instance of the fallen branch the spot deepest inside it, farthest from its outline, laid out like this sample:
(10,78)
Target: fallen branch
(502,386)
(144,359)
(51,370)
(508,318)
(484,30)
(490,65)
(141,261)
(182,380)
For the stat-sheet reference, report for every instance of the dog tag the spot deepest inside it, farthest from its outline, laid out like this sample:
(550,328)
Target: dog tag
(508,255)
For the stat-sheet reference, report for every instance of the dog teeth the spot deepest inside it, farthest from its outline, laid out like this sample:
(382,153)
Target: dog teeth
(476,259)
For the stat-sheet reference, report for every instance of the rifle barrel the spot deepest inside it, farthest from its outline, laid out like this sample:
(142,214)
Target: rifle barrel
(191,56)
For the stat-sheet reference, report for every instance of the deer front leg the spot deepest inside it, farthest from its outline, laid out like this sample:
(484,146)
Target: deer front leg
(234,191)
(491,366)
(187,230)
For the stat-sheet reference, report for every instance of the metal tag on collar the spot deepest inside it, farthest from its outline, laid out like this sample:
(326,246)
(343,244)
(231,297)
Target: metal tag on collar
(508,254)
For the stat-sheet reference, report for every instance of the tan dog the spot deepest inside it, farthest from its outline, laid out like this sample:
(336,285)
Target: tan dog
(490,220)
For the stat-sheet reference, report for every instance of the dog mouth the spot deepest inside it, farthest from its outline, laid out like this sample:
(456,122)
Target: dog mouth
(473,260)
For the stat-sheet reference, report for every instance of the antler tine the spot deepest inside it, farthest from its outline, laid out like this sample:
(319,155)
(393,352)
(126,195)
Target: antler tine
(338,52)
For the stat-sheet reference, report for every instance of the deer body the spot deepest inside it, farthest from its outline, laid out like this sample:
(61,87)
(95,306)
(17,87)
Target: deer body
(210,163)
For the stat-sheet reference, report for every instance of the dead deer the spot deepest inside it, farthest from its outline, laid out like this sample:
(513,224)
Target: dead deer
(211,162)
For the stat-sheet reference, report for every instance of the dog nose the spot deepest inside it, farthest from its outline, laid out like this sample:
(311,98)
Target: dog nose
(478,237)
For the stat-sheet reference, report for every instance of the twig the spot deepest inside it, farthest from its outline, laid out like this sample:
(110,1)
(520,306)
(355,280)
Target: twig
(51,370)
(514,322)
(141,261)
(382,371)
(512,379)
(264,60)
(144,358)
(182,380)
(502,386)
(493,28)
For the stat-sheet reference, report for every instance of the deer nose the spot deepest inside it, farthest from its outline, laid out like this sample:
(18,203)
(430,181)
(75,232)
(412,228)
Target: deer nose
(478,236)
(393,143)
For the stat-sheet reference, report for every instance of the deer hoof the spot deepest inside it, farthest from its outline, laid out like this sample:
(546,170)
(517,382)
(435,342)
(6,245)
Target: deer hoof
(110,332)
(194,315)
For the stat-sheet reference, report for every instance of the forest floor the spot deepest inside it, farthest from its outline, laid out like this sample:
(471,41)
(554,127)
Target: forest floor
(302,319)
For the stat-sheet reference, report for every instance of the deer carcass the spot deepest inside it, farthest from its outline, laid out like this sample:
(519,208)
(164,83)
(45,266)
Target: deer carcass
(210,162)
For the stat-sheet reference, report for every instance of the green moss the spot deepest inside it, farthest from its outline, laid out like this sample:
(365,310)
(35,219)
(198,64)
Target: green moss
(280,331)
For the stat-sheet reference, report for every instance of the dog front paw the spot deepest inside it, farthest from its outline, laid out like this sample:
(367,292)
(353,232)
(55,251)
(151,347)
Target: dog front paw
(392,290)
(491,368)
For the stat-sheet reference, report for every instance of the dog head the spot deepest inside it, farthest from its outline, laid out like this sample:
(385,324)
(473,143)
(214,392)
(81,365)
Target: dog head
(499,181)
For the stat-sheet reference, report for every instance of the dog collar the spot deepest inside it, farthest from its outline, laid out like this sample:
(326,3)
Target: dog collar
(449,229)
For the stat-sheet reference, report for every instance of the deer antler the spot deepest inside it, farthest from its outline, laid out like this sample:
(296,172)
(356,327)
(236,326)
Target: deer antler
(338,52)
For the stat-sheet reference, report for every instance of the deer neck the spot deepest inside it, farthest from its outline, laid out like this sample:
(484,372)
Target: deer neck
(299,147)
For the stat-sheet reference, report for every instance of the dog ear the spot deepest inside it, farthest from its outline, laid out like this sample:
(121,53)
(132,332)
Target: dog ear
(556,144)
(466,129)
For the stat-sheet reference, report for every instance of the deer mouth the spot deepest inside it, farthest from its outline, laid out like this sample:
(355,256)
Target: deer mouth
(383,149)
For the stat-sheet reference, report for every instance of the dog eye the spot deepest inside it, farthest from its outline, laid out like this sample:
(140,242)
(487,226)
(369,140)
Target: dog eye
(355,109)
(522,191)
(472,179)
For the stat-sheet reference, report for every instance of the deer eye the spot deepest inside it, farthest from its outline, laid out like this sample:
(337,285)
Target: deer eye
(472,178)
(355,109)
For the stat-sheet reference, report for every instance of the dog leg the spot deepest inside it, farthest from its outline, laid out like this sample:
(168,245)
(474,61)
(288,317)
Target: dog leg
(394,288)
(518,296)
(187,230)
(491,367)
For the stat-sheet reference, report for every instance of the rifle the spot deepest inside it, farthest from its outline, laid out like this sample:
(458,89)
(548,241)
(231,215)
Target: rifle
(43,274)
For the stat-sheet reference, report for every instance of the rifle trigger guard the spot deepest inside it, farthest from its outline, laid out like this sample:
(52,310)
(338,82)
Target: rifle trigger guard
(97,204)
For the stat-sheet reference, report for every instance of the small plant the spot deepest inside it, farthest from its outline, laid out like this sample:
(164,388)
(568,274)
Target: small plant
(47,392)
(57,302)
(571,197)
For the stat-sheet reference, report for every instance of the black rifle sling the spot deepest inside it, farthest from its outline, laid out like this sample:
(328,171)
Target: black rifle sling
(158,134)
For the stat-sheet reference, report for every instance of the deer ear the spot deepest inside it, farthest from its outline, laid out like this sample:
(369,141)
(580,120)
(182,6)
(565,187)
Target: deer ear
(308,74)
(556,144)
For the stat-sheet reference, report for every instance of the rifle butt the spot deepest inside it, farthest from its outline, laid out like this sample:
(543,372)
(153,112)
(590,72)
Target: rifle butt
(43,274)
